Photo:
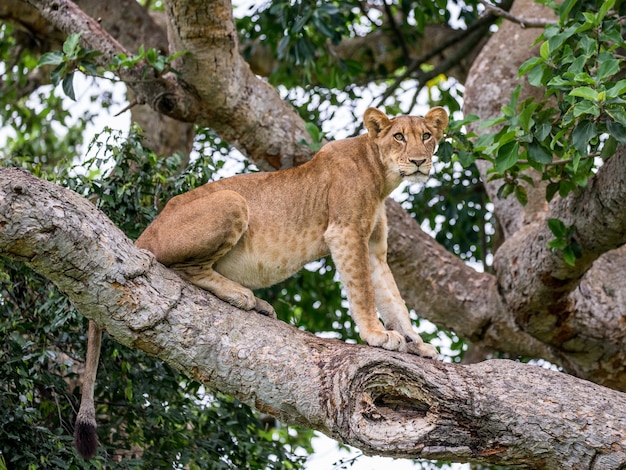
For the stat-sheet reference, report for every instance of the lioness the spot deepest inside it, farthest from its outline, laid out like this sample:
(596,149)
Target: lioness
(254,230)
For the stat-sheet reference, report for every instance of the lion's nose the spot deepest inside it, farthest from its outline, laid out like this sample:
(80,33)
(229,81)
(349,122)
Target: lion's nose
(418,163)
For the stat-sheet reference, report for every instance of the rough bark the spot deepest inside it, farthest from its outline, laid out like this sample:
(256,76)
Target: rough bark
(387,403)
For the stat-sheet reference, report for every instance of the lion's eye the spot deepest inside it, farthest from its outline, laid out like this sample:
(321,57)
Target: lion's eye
(399,137)
(426,136)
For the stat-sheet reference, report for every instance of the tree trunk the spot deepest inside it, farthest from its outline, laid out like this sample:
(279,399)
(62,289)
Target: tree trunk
(385,403)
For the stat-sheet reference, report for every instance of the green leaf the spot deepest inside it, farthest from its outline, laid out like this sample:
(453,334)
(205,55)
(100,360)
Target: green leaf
(558,228)
(535,75)
(585,92)
(616,90)
(505,190)
(608,67)
(58,73)
(526,116)
(529,64)
(551,190)
(578,65)
(68,86)
(543,130)
(588,46)
(521,194)
(484,141)
(445,151)
(507,156)
(605,6)
(617,131)
(618,114)
(88,68)
(492,122)
(466,158)
(70,45)
(566,187)
(50,58)
(324,27)
(538,153)
(582,134)
(569,256)
(565,8)
(544,50)
(557,244)
(609,148)
(586,107)
(313,131)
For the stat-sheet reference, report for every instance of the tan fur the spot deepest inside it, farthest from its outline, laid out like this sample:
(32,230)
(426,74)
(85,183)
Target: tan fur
(254,230)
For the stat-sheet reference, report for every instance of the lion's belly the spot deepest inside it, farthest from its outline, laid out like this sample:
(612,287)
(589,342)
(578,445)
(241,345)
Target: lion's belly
(255,266)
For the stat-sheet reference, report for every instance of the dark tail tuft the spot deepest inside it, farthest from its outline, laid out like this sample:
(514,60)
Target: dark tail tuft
(85,438)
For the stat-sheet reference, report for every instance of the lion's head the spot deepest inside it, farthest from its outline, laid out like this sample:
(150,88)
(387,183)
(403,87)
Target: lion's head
(406,143)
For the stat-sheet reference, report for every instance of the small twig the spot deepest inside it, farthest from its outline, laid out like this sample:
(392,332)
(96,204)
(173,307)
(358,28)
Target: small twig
(396,29)
(444,66)
(130,105)
(563,162)
(523,22)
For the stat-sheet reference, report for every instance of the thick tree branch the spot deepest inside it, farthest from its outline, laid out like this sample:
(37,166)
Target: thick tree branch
(220,91)
(598,214)
(244,110)
(388,403)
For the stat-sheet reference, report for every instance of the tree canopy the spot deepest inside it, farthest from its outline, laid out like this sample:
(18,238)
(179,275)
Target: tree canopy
(523,257)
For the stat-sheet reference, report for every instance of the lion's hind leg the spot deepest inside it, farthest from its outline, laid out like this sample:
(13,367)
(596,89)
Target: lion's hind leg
(190,236)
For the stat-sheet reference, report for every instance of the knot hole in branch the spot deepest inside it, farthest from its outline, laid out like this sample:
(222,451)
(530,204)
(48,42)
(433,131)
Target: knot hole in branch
(385,403)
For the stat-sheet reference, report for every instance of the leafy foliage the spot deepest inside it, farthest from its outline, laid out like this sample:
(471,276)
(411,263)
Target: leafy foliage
(582,117)
(73,57)
(33,122)
(580,122)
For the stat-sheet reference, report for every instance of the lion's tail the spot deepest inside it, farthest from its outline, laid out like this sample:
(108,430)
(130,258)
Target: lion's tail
(85,436)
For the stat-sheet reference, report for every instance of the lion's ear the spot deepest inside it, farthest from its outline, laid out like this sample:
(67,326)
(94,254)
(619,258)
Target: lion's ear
(375,121)
(437,120)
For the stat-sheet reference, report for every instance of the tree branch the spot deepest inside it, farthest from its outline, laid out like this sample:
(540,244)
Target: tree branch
(219,92)
(246,111)
(498,412)
(523,22)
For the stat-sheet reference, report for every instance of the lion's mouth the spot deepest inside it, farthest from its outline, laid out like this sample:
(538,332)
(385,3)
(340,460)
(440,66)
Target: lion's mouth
(417,172)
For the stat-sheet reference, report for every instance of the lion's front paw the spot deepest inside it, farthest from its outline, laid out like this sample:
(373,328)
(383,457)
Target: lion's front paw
(422,349)
(264,308)
(386,339)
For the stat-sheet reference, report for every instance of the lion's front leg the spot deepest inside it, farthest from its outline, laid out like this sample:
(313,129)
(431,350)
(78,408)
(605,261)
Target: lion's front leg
(389,302)
(350,254)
